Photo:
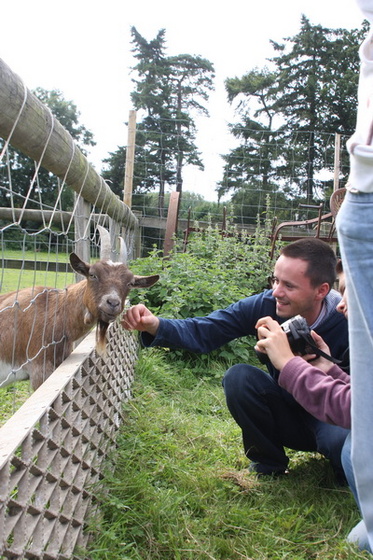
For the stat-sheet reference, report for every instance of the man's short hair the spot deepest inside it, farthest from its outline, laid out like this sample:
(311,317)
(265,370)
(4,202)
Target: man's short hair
(339,267)
(321,259)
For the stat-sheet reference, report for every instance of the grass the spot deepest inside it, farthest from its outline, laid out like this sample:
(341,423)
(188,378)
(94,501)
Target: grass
(19,279)
(15,279)
(178,487)
(12,398)
(32,255)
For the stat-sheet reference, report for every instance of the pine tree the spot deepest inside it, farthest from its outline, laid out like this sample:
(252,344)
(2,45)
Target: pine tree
(285,113)
(317,72)
(169,91)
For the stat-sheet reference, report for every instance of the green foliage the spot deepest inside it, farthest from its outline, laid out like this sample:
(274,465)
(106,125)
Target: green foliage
(316,89)
(287,112)
(67,114)
(216,271)
(11,399)
(23,169)
(200,208)
(169,90)
(178,488)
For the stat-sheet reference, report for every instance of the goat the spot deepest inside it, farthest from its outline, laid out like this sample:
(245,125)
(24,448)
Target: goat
(38,326)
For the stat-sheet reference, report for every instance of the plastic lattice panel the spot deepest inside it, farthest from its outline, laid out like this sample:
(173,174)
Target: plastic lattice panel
(52,450)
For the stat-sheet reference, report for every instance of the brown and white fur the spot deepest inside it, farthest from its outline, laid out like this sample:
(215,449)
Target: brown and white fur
(38,326)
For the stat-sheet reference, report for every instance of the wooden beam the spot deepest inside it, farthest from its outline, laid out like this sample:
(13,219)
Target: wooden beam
(32,215)
(50,266)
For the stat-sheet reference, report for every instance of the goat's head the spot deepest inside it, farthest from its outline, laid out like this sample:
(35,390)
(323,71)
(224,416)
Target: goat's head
(107,287)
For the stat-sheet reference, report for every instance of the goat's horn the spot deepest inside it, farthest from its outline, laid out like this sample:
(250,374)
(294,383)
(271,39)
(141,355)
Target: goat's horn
(123,253)
(105,251)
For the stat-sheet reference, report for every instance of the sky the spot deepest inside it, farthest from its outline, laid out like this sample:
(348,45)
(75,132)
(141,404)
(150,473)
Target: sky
(83,49)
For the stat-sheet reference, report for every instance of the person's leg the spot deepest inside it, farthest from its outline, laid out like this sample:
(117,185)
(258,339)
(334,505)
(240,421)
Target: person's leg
(355,232)
(358,535)
(347,467)
(330,440)
(268,416)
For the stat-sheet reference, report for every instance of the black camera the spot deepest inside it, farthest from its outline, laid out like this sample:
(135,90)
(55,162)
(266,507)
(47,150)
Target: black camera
(299,337)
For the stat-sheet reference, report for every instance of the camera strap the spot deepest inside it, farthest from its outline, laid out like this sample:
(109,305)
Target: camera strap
(317,350)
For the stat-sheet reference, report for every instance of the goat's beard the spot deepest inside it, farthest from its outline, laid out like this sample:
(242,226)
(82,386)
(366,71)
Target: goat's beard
(101,329)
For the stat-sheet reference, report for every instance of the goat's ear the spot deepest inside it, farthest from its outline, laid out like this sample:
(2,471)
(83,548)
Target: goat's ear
(78,265)
(144,281)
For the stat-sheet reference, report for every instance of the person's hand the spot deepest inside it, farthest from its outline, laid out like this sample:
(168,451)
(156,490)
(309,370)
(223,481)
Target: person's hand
(138,317)
(319,362)
(273,342)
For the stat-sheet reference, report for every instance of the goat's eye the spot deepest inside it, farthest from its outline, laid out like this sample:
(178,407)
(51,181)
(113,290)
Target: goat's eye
(92,276)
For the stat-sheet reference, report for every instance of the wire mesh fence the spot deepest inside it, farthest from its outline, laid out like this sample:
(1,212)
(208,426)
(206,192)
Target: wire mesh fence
(53,448)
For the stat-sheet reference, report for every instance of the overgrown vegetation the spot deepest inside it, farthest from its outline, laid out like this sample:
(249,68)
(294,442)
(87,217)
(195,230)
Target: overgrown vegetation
(215,271)
(178,487)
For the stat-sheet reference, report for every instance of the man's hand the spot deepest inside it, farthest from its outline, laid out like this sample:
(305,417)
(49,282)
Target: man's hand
(141,319)
(273,341)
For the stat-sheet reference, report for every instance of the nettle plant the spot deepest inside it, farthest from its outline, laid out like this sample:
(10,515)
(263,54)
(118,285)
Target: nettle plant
(216,271)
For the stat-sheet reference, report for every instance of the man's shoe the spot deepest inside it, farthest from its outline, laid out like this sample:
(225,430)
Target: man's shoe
(266,470)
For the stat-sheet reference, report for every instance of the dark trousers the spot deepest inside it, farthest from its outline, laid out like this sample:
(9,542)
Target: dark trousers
(271,419)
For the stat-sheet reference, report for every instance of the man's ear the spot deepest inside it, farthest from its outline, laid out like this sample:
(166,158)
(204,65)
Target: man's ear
(323,290)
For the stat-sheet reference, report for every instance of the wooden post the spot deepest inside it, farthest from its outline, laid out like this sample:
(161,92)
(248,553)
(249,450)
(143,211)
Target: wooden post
(337,148)
(130,159)
(81,223)
(171,226)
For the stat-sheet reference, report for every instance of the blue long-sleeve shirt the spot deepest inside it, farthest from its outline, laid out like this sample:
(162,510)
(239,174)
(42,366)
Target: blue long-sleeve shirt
(204,334)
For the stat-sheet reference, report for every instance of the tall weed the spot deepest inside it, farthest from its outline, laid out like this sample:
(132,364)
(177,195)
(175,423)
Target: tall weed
(216,270)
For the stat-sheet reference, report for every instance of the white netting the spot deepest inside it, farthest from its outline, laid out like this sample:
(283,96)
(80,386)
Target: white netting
(52,203)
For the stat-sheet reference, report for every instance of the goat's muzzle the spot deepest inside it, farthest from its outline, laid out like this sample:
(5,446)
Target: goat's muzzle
(110,307)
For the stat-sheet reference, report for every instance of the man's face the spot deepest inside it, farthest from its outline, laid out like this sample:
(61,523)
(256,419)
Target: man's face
(293,291)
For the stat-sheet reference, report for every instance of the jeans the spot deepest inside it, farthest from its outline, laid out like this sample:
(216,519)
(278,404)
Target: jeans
(355,234)
(358,534)
(271,419)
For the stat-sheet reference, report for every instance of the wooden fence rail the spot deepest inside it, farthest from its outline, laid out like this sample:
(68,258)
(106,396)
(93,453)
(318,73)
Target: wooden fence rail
(30,127)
